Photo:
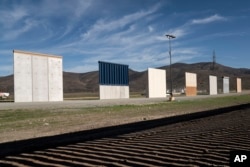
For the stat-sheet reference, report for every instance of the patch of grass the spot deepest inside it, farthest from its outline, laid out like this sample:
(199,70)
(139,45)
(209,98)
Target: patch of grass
(205,103)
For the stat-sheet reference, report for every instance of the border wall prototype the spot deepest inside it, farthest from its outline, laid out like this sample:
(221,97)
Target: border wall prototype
(156,83)
(37,77)
(191,84)
(239,87)
(225,84)
(213,85)
(113,81)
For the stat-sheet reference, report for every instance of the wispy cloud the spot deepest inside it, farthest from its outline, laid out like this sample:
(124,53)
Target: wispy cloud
(105,25)
(209,19)
(187,27)
(187,51)
(150,29)
(10,17)
(58,8)
(179,31)
(124,40)
(28,24)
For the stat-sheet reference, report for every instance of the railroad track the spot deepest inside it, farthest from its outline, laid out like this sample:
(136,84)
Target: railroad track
(204,141)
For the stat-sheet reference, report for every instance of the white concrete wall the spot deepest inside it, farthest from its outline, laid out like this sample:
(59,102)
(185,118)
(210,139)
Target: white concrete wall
(55,79)
(22,77)
(40,78)
(225,84)
(37,77)
(191,84)
(191,79)
(239,89)
(156,83)
(114,92)
(213,85)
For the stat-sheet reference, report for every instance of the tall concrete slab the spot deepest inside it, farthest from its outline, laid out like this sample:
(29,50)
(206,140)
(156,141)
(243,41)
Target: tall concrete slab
(37,77)
(191,84)
(156,83)
(225,84)
(23,77)
(213,85)
(55,79)
(239,89)
(40,78)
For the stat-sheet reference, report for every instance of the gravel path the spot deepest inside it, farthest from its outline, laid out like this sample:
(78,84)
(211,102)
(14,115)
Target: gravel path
(100,103)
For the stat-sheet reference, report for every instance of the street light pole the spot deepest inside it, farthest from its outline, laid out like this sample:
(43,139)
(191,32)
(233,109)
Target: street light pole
(169,36)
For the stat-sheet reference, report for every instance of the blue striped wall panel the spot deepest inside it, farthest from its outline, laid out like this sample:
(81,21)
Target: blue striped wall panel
(113,74)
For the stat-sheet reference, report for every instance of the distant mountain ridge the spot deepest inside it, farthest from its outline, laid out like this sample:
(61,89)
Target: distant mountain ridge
(88,82)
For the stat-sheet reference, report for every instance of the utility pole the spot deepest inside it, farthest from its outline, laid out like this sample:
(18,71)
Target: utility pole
(169,36)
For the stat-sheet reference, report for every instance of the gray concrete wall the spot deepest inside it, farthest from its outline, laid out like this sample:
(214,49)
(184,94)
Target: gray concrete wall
(156,83)
(37,77)
(213,85)
(225,84)
(114,92)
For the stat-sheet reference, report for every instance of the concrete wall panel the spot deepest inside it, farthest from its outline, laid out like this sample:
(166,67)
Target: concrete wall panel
(156,83)
(191,79)
(40,78)
(55,79)
(213,85)
(37,77)
(225,84)
(114,92)
(124,91)
(22,77)
(191,84)
(239,89)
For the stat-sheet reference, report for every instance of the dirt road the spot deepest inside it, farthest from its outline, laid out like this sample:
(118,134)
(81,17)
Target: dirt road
(100,103)
(196,142)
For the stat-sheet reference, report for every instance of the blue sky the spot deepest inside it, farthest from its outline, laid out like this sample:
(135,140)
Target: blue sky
(126,31)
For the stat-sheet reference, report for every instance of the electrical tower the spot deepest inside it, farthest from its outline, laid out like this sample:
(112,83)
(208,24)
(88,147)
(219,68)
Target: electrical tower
(214,61)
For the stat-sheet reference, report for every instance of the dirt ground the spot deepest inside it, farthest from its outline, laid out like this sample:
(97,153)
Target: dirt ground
(73,116)
(204,141)
(197,142)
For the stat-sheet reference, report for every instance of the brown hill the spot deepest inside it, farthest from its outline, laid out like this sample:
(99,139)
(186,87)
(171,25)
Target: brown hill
(88,82)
